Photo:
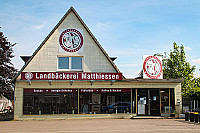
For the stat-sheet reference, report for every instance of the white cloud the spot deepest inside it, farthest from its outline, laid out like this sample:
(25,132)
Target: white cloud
(100,25)
(100,30)
(187,48)
(34,28)
(128,65)
(130,51)
(131,72)
(196,61)
(129,76)
(196,74)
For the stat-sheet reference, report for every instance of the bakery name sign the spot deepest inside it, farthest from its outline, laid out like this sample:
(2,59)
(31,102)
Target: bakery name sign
(70,76)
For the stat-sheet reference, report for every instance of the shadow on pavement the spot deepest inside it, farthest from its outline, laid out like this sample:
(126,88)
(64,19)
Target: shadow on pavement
(183,121)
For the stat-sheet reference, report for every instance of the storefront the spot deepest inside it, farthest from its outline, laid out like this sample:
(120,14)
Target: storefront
(65,101)
(150,102)
(71,74)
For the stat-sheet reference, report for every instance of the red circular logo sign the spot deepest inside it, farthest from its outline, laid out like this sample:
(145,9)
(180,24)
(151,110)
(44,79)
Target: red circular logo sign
(152,67)
(71,40)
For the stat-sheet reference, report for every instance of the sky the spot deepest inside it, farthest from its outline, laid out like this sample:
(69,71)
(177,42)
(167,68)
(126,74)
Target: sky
(126,29)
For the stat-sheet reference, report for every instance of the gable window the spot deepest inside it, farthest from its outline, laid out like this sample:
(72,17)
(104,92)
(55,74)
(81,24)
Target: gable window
(70,63)
(63,62)
(76,63)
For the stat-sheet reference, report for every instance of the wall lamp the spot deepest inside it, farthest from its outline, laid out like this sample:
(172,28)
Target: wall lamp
(112,82)
(71,82)
(92,82)
(50,82)
(29,81)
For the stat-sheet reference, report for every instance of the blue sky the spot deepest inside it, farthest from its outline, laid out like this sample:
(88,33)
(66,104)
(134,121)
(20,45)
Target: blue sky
(126,29)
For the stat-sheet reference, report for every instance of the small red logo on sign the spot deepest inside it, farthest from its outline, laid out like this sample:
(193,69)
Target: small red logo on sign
(28,75)
(71,40)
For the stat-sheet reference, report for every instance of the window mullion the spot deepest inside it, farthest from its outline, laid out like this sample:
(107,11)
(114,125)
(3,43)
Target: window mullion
(70,63)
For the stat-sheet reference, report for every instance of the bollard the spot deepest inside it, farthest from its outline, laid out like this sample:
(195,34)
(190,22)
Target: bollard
(40,112)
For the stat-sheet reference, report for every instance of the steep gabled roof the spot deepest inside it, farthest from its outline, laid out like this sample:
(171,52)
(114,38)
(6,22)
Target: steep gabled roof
(59,23)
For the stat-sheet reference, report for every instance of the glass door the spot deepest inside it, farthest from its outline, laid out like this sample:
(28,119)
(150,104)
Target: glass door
(142,102)
(154,101)
(148,102)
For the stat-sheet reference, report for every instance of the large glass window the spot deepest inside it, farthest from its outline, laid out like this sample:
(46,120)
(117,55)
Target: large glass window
(165,101)
(65,101)
(172,100)
(104,101)
(50,101)
(134,100)
(70,63)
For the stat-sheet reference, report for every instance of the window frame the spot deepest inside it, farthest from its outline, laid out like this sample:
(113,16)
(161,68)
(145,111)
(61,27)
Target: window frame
(70,64)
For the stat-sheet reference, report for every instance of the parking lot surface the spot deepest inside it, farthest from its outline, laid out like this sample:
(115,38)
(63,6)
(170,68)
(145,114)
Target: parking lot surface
(101,126)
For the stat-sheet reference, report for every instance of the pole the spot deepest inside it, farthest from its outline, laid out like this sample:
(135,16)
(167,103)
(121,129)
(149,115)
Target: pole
(78,101)
(179,111)
(194,105)
(160,101)
(131,101)
(136,104)
(169,102)
(149,102)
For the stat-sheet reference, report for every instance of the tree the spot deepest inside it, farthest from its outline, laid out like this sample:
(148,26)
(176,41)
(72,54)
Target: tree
(175,66)
(7,70)
(195,92)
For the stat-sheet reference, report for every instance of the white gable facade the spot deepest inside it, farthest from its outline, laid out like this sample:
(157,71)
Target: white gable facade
(47,57)
(70,75)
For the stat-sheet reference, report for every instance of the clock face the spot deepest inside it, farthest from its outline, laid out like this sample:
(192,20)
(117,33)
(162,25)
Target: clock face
(152,67)
(71,40)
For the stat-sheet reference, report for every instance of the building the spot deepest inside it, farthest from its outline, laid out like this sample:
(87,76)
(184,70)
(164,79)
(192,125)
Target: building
(70,74)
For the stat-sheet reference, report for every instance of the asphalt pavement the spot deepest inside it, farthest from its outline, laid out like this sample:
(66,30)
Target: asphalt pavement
(101,126)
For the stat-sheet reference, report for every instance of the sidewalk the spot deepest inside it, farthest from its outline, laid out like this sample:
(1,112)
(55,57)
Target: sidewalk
(101,125)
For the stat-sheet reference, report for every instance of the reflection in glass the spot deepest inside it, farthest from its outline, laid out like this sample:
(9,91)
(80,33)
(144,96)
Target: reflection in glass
(104,103)
(76,62)
(63,62)
(50,103)
(164,100)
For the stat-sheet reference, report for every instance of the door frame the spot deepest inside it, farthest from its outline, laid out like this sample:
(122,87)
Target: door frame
(148,102)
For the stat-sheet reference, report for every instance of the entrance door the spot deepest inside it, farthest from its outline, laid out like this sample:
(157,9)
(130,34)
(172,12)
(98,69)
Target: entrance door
(142,102)
(148,102)
(154,101)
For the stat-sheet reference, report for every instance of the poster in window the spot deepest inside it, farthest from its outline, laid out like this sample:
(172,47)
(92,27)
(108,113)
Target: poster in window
(145,100)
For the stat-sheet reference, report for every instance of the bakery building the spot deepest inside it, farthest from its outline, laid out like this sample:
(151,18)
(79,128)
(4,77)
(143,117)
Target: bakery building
(71,75)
